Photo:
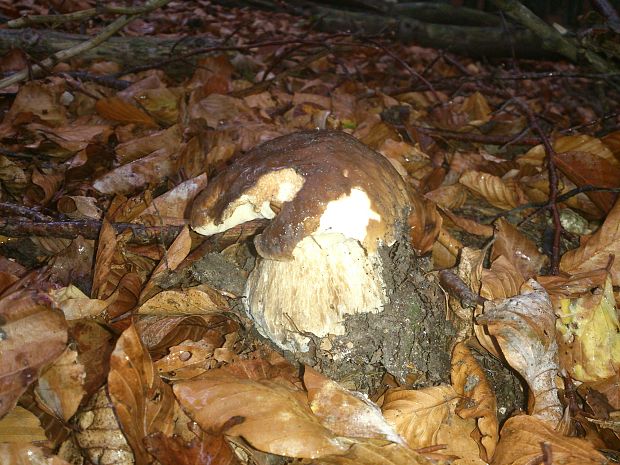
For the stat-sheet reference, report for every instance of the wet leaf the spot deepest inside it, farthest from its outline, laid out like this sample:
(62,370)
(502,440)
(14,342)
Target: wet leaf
(293,430)
(27,454)
(143,403)
(32,335)
(521,439)
(518,249)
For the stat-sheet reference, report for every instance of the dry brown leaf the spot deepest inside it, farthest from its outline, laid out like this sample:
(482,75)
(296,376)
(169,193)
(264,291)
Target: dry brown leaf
(60,387)
(41,100)
(596,252)
(209,449)
(501,281)
(344,412)
(518,249)
(424,223)
(75,304)
(161,333)
(375,452)
(572,286)
(589,334)
(426,417)
(584,168)
(13,177)
(293,429)
(162,103)
(521,439)
(575,143)
(21,426)
(32,335)
(218,110)
(199,300)
(502,194)
(94,346)
(468,225)
(173,257)
(136,148)
(477,396)
(79,206)
(98,433)
(187,360)
(524,327)
(116,109)
(171,207)
(450,197)
(27,454)
(151,169)
(44,186)
(143,403)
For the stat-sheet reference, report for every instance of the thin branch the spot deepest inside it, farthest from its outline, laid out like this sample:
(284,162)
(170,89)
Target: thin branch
(63,55)
(11,209)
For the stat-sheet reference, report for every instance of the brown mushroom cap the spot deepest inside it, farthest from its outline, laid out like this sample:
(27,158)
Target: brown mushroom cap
(332,164)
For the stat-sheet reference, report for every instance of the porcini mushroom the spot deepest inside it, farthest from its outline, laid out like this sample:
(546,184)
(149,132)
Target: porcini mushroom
(333,203)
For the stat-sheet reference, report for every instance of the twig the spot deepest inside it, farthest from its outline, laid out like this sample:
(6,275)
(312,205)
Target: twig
(63,55)
(554,182)
(19,210)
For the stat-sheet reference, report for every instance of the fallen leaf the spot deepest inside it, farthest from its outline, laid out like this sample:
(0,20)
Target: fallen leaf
(518,249)
(143,403)
(450,197)
(27,454)
(524,327)
(21,426)
(60,387)
(344,412)
(424,223)
(32,335)
(504,195)
(589,334)
(595,253)
(41,100)
(521,439)
(208,449)
(477,397)
(199,300)
(116,109)
(293,429)
(375,452)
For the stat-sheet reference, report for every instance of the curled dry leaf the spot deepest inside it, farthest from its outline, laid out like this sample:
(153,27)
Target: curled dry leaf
(169,139)
(75,304)
(32,335)
(575,143)
(44,186)
(518,249)
(521,439)
(502,194)
(162,103)
(41,100)
(208,449)
(143,403)
(477,397)
(21,426)
(98,433)
(501,281)
(27,454)
(344,412)
(79,206)
(589,334)
(468,225)
(595,253)
(426,417)
(60,387)
(524,327)
(293,431)
(425,223)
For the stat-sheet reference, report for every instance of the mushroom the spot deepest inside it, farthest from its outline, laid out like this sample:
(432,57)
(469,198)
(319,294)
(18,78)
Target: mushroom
(333,204)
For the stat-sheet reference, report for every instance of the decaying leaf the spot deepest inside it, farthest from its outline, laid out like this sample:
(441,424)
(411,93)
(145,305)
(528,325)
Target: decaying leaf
(199,300)
(426,417)
(21,426)
(32,335)
(589,334)
(207,449)
(521,443)
(98,433)
(524,327)
(344,412)
(115,109)
(501,281)
(596,251)
(143,403)
(60,387)
(375,452)
(27,454)
(424,223)
(293,429)
(518,249)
